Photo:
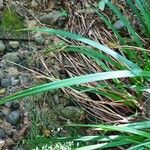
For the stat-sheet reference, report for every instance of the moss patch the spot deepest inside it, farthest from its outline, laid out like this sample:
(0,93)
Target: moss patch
(12,22)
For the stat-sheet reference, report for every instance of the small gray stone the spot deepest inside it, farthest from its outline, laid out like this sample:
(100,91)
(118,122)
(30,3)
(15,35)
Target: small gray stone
(13,117)
(2,134)
(2,47)
(14,44)
(5,82)
(119,25)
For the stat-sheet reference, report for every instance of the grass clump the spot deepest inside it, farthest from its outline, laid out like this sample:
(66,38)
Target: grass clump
(137,36)
(135,136)
(129,70)
(11,22)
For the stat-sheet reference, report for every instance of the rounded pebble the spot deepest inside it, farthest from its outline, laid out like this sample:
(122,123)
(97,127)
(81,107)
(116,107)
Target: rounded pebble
(14,44)
(13,117)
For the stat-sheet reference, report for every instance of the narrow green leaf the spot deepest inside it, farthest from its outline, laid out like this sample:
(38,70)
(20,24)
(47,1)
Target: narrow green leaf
(144,144)
(68,82)
(109,24)
(104,145)
(116,128)
(126,23)
(138,14)
(92,43)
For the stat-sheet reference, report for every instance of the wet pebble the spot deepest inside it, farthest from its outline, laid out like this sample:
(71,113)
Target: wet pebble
(119,25)
(2,134)
(13,117)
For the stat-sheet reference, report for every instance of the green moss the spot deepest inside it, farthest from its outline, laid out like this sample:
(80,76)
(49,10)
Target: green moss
(11,22)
